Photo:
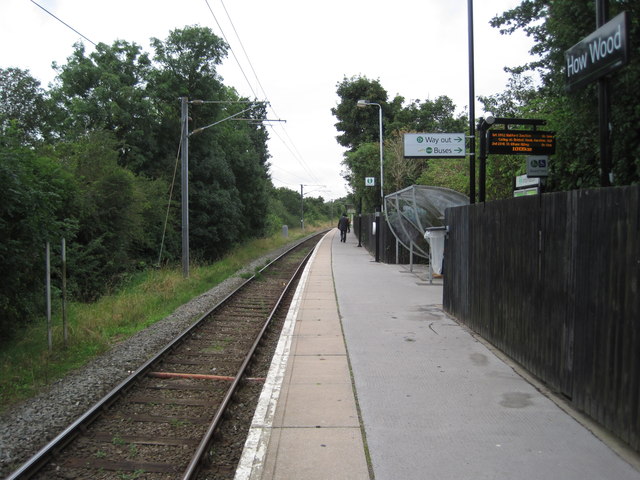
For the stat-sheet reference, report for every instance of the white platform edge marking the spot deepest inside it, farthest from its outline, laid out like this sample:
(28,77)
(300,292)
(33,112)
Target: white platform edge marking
(255,448)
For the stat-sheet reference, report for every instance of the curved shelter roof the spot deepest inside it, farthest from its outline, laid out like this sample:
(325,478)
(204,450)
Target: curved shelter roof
(414,209)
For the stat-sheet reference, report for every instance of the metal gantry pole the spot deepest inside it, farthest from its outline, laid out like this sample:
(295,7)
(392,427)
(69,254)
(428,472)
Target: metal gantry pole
(302,207)
(184,172)
(381,160)
(472,109)
(604,106)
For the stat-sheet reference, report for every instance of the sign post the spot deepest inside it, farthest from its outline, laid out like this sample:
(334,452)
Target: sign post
(593,58)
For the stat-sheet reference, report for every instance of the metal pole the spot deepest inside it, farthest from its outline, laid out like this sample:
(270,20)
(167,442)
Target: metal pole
(472,110)
(411,256)
(360,223)
(184,172)
(604,106)
(482,175)
(48,294)
(64,292)
(302,207)
(381,213)
(378,235)
(381,160)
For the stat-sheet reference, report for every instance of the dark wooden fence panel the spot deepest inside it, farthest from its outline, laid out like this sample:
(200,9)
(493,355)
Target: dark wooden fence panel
(388,250)
(553,281)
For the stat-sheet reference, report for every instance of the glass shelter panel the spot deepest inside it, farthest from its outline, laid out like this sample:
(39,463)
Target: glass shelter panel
(414,209)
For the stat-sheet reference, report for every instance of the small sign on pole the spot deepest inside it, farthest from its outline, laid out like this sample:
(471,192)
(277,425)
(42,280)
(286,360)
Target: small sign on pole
(369,181)
(525,192)
(537,166)
(523,181)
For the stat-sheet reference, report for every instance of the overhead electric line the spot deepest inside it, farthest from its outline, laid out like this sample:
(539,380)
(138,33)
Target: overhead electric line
(296,154)
(64,23)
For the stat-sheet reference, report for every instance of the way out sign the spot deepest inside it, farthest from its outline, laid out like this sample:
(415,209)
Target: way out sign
(600,53)
(435,145)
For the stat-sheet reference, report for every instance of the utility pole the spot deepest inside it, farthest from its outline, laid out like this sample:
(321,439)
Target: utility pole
(472,108)
(184,174)
(302,207)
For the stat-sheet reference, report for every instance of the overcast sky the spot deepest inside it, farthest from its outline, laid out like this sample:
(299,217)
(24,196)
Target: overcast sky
(299,50)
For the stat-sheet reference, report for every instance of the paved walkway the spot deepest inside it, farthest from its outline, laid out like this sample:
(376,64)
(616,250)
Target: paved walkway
(435,402)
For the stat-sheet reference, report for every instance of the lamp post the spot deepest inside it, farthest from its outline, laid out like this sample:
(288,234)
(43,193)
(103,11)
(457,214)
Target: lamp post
(363,104)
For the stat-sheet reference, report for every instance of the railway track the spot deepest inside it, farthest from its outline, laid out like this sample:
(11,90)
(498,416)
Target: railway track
(162,421)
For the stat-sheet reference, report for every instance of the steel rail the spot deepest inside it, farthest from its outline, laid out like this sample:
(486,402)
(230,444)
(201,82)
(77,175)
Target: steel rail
(46,453)
(192,468)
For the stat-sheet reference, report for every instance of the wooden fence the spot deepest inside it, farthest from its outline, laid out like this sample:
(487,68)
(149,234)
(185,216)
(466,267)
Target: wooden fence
(553,281)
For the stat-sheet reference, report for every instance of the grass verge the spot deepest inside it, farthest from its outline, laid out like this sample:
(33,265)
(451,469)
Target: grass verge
(26,365)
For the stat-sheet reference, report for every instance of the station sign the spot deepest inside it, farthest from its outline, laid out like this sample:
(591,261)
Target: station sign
(434,145)
(369,181)
(598,54)
(521,142)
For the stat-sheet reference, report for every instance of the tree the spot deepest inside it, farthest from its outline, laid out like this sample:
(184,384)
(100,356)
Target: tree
(228,162)
(23,103)
(106,90)
(556,26)
(360,125)
(35,198)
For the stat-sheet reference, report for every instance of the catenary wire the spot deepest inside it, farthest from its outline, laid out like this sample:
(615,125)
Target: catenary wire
(64,23)
(296,154)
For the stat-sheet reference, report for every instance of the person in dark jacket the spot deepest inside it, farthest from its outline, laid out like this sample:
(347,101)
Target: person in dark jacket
(343,226)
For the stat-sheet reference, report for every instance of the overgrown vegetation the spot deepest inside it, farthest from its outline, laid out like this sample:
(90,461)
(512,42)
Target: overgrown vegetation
(146,297)
(92,160)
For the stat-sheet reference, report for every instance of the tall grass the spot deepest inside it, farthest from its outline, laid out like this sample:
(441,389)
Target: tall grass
(26,365)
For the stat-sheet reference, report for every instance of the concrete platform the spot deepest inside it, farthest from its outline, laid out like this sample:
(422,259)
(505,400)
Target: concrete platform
(307,425)
(435,402)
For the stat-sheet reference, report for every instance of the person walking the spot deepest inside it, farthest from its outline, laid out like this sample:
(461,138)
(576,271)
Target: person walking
(343,226)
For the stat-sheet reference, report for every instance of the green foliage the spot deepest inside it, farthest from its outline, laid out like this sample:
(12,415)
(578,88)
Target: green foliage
(359,125)
(23,106)
(34,197)
(557,26)
(146,297)
(448,173)
(360,133)
(105,139)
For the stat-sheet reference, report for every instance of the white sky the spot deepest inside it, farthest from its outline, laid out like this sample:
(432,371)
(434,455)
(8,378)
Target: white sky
(299,49)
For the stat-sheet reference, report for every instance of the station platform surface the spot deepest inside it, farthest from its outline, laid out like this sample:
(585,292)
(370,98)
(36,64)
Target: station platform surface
(372,379)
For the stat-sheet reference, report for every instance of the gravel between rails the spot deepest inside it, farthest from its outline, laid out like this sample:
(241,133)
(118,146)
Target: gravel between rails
(29,426)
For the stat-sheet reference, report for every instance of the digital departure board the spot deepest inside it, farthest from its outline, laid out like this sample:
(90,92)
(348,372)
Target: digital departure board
(521,142)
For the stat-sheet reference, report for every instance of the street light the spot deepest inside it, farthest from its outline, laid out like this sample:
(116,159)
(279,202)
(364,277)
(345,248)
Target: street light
(363,104)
